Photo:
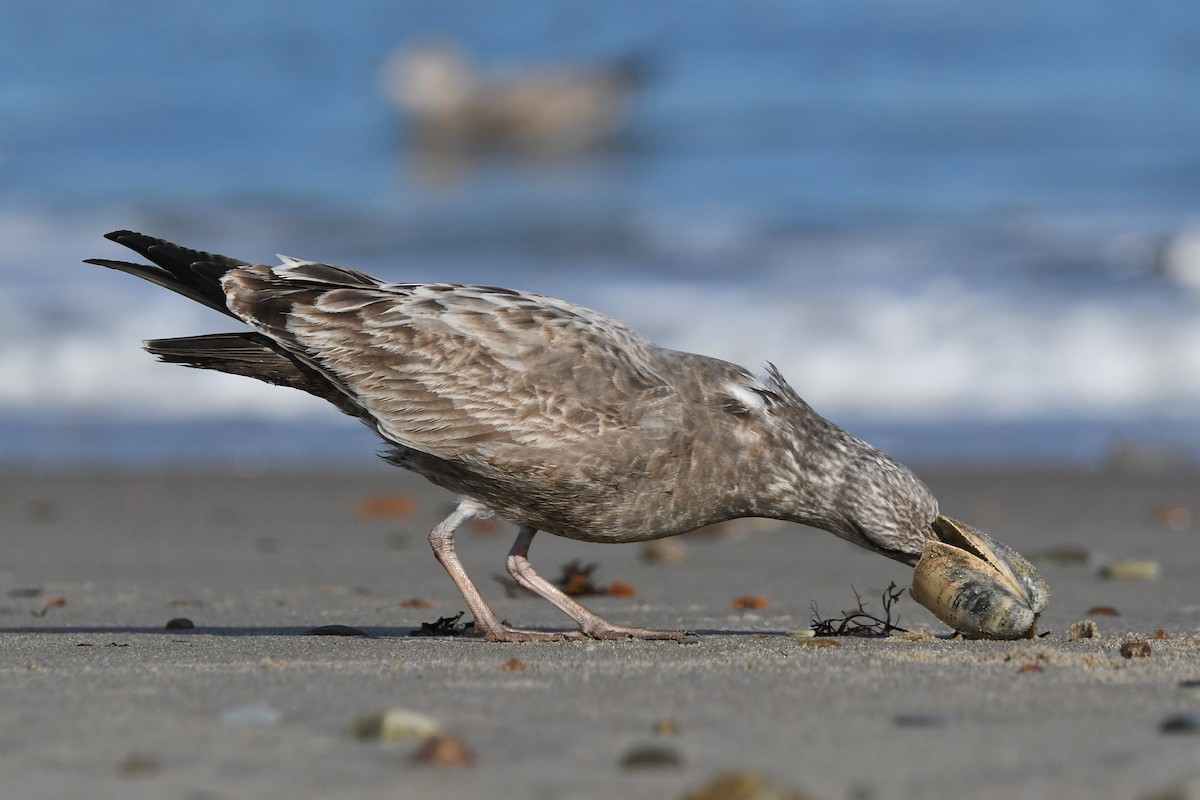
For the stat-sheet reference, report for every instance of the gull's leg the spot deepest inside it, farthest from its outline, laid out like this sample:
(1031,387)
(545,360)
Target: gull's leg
(441,538)
(590,623)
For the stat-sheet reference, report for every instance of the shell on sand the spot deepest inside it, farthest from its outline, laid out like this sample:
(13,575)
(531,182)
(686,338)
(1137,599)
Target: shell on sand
(977,585)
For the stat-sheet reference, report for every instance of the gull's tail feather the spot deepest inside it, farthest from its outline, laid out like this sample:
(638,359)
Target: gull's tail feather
(191,273)
(197,275)
(249,354)
(253,356)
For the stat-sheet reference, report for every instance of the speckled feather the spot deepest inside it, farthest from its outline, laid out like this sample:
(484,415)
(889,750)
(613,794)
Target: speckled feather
(552,415)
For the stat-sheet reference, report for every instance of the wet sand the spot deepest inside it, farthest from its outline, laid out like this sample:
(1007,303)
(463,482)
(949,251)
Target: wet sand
(98,699)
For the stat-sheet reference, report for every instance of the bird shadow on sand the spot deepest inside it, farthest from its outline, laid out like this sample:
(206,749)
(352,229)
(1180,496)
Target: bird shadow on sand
(233,630)
(337,631)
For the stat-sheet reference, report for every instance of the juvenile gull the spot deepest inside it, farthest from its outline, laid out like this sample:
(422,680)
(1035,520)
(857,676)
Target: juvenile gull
(552,416)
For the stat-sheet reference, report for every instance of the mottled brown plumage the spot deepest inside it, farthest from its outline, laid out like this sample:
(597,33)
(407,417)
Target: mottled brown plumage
(553,416)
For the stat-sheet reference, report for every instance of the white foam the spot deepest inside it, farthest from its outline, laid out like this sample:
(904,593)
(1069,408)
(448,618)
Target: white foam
(939,350)
(861,344)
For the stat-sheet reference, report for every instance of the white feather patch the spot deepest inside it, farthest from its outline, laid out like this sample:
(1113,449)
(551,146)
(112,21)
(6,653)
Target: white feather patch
(750,399)
(287,262)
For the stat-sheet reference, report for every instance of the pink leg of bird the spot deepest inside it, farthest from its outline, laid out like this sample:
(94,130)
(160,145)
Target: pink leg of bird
(441,538)
(590,623)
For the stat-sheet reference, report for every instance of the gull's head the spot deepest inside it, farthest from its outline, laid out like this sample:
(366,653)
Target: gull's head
(968,580)
(884,507)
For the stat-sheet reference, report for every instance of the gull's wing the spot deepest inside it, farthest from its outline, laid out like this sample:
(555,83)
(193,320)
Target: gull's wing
(454,370)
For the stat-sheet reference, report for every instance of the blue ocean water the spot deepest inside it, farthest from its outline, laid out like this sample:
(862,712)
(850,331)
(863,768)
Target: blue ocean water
(967,231)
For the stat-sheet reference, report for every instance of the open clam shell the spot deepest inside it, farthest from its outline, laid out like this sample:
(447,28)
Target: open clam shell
(977,585)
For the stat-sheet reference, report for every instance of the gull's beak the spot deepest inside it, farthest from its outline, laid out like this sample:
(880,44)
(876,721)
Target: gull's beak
(977,585)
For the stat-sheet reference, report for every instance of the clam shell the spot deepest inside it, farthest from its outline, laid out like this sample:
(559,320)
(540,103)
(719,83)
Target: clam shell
(977,585)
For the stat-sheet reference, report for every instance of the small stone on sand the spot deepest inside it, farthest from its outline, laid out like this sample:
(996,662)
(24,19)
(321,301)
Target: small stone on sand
(652,757)
(1187,722)
(393,725)
(665,551)
(1131,569)
(1084,629)
(744,786)
(444,750)
(250,714)
(924,720)
(334,630)
(1135,648)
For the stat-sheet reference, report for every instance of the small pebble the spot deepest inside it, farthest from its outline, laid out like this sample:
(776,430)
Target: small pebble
(665,551)
(250,714)
(444,750)
(334,630)
(52,603)
(1028,668)
(1066,554)
(807,633)
(748,602)
(621,589)
(744,786)
(180,624)
(417,602)
(1160,634)
(1135,648)
(385,507)
(1131,569)
(652,757)
(923,720)
(1174,517)
(1188,722)
(1103,611)
(1190,689)
(136,765)
(394,725)
(514,665)
(1084,629)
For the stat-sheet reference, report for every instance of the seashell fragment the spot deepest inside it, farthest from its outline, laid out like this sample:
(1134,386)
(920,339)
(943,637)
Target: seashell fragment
(1084,629)
(444,750)
(1131,569)
(652,756)
(1135,647)
(393,725)
(977,585)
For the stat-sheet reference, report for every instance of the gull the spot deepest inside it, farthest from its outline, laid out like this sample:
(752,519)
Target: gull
(549,415)
(559,109)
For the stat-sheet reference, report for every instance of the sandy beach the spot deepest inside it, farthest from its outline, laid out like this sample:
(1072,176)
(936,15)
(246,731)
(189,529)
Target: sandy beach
(99,699)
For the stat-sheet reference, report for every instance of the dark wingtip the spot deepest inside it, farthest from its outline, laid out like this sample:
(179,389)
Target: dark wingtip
(191,273)
(142,244)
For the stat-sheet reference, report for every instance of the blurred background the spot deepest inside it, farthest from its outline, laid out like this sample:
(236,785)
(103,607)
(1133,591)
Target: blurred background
(968,232)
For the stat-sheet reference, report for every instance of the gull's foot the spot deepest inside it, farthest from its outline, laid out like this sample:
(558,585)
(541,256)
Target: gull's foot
(507,633)
(610,631)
